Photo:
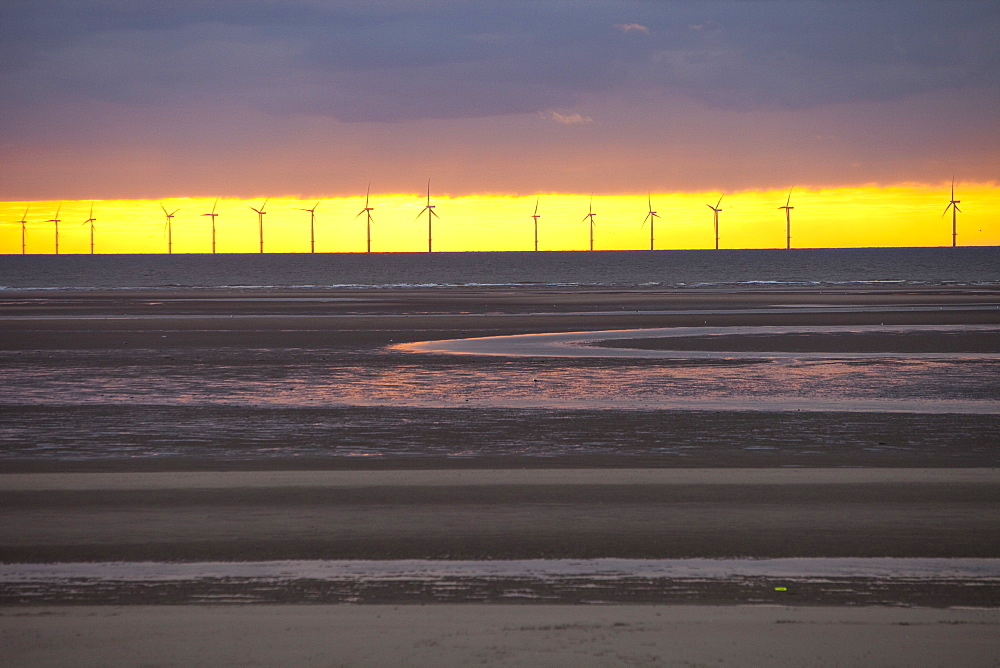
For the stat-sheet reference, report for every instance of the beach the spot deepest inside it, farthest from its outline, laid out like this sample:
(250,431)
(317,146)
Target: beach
(231,427)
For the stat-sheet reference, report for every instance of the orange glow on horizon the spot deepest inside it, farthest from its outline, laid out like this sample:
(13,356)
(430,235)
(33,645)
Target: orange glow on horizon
(863,216)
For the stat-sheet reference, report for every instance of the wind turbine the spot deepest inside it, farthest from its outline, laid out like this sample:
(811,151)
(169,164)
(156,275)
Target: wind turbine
(953,205)
(213,215)
(91,221)
(260,221)
(55,219)
(716,211)
(788,220)
(590,215)
(535,216)
(169,228)
(312,226)
(24,230)
(431,213)
(651,217)
(368,210)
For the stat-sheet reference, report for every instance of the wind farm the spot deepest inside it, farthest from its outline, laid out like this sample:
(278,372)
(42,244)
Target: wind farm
(490,222)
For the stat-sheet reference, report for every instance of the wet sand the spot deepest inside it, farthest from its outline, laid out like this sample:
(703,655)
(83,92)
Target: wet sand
(501,514)
(40,320)
(190,509)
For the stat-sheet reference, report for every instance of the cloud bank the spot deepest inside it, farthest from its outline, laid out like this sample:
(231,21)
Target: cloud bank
(113,96)
(360,61)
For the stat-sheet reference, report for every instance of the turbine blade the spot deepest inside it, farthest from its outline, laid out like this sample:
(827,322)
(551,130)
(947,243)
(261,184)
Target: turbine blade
(719,202)
(163,207)
(434,213)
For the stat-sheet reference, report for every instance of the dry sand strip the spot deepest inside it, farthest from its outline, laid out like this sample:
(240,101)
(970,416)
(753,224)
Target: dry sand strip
(500,514)
(509,635)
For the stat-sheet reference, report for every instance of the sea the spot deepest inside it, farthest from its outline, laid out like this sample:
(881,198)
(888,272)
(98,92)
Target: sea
(381,407)
(690,269)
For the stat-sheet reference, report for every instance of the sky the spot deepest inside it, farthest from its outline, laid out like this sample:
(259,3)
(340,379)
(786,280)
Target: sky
(867,110)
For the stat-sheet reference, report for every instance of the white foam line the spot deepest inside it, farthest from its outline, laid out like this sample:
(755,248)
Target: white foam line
(576,344)
(690,569)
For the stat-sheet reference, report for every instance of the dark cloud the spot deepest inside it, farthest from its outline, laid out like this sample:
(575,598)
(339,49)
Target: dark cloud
(393,61)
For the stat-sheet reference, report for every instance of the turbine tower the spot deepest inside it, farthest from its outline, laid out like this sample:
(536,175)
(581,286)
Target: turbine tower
(953,205)
(55,219)
(368,211)
(431,213)
(24,230)
(169,228)
(535,216)
(716,211)
(213,215)
(590,215)
(91,221)
(312,226)
(788,220)
(260,221)
(651,217)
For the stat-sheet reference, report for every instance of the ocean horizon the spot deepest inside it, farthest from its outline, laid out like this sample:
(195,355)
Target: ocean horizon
(666,269)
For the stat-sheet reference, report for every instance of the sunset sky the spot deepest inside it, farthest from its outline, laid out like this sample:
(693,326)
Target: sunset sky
(866,109)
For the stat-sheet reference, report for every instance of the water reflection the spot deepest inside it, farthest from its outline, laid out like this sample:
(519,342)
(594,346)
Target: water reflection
(314,378)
